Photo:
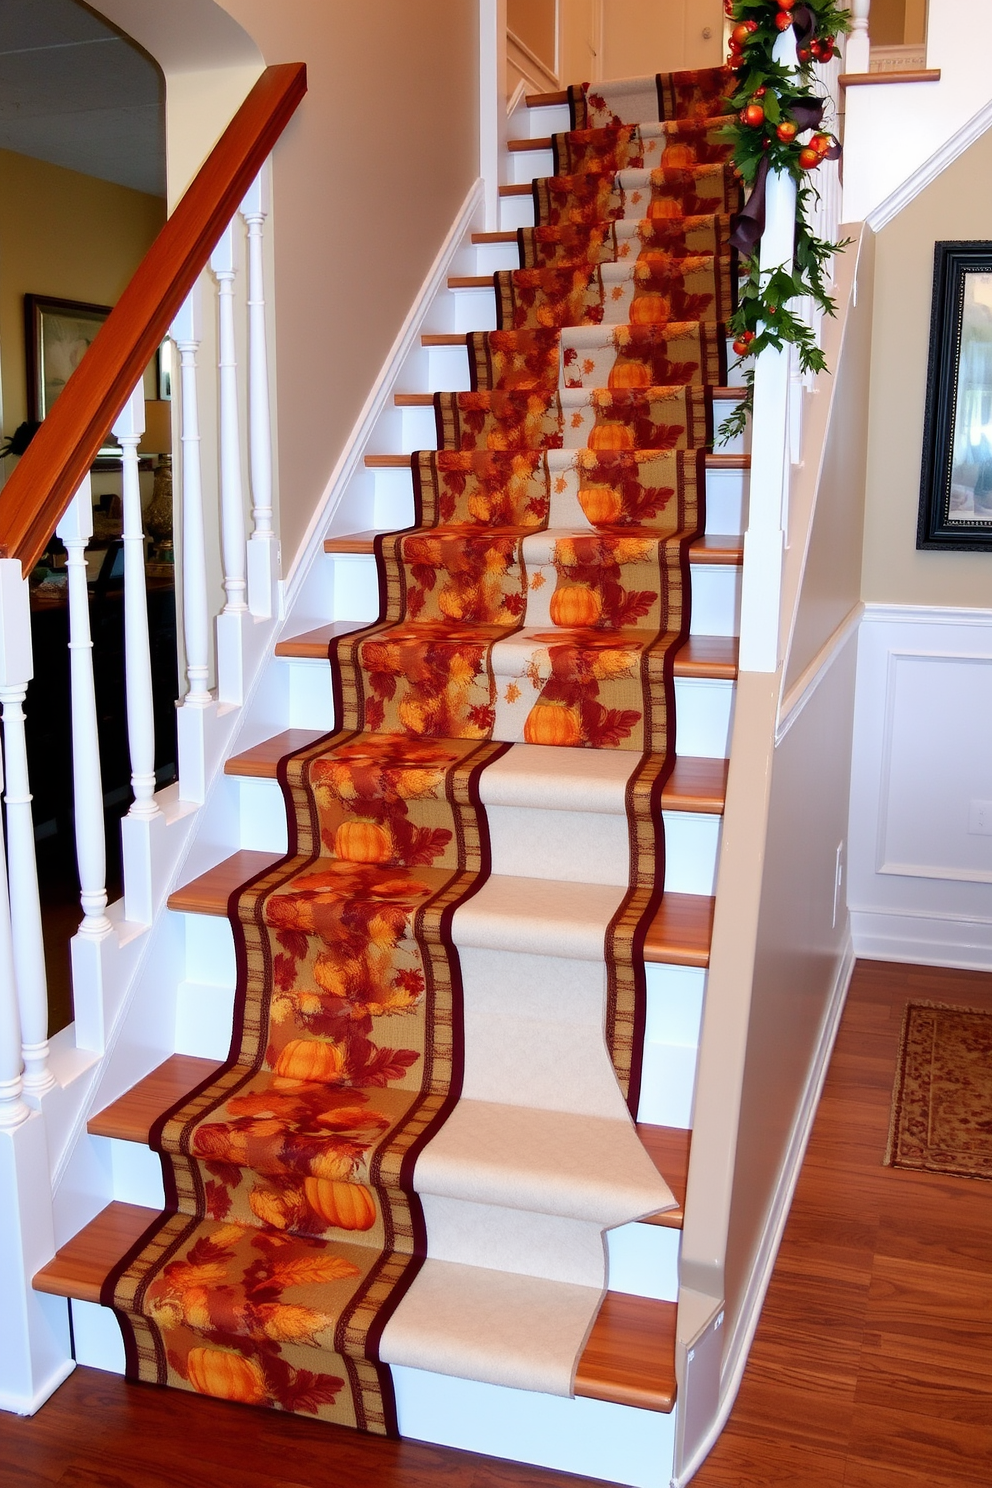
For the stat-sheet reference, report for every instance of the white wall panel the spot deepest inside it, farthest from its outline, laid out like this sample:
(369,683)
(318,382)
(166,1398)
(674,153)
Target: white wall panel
(919,870)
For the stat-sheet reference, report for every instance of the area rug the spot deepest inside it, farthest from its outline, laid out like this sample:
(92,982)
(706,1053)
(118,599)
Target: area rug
(424,1126)
(942,1100)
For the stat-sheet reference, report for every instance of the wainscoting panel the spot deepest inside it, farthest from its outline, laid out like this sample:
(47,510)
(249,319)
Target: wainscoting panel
(921,792)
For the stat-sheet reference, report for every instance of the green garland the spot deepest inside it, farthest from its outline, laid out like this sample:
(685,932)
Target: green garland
(766,97)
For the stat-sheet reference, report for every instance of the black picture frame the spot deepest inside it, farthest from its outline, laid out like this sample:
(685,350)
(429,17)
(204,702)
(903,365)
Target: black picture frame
(956,478)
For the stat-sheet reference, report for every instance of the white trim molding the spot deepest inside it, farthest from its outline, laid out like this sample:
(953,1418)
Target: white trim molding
(961,140)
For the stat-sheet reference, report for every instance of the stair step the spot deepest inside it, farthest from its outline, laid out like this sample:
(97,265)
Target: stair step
(629,1358)
(714,548)
(526,189)
(678,936)
(130,1117)
(712,462)
(697,785)
(516,145)
(713,657)
(546,100)
(426,400)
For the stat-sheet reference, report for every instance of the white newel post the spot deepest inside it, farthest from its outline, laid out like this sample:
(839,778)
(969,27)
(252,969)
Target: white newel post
(15,669)
(137,651)
(857,50)
(75,530)
(764,540)
(25,908)
(186,333)
(263,554)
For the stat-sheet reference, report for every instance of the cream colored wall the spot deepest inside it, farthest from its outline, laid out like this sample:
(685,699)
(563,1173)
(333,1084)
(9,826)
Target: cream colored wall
(367,180)
(641,36)
(535,22)
(62,234)
(957,205)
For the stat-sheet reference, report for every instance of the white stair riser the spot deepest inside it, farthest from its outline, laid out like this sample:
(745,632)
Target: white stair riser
(474,309)
(703,707)
(526,164)
(674,1010)
(580,1436)
(643,1259)
(539,122)
(726,495)
(715,593)
(566,845)
(490,257)
(515,211)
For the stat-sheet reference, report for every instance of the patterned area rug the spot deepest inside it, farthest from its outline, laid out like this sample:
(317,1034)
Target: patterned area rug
(942,1100)
(423,1129)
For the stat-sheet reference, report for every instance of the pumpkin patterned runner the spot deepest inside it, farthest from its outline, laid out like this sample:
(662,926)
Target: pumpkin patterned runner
(538,600)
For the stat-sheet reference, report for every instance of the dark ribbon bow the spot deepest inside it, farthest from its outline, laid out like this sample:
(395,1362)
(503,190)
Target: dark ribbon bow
(747,225)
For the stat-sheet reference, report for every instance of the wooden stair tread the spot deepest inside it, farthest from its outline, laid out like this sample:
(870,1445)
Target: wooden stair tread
(261,759)
(719,549)
(712,462)
(523,190)
(630,1356)
(426,400)
(695,784)
(81,1267)
(209,893)
(701,656)
(629,1359)
(679,934)
(543,100)
(681,931)
(131,1115)
(494,237)
(516,145)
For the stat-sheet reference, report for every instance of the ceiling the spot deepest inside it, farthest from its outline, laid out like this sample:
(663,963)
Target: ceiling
(75,93)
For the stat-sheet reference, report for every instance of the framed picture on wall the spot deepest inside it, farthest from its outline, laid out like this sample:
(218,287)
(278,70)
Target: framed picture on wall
(956,484)
(58,333)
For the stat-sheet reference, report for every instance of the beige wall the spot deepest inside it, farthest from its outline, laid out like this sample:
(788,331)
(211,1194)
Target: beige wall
(66,235)
(367,181)
(535,22)
(957,205)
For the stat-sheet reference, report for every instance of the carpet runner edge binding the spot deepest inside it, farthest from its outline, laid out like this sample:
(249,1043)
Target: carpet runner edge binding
(436,1054)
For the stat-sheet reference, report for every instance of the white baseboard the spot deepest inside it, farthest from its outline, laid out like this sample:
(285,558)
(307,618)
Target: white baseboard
(21,1405)
(928,939)
(741,1334)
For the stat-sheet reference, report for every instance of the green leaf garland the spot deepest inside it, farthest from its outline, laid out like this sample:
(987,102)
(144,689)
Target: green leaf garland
(773,94)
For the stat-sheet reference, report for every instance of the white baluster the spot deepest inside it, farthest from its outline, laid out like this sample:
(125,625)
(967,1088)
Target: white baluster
(186,333)
(261,546)
(15,669)
(231,495)
(137,652)
(75,530)
(857,51)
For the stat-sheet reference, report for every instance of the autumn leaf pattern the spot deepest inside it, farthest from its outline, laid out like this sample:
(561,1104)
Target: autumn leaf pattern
(540,596)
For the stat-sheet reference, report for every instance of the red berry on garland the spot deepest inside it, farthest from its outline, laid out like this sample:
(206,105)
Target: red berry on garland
(760,92)
(728,7)
(754,115)
(748,336)
(803,54)
(809,158)
(785,4)
(741,348)
(814,47)
(783,20)
(787,131)
(741,33)
(821,143)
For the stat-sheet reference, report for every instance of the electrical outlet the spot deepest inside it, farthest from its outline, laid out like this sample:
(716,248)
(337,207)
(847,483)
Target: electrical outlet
(980,818)
(838,884)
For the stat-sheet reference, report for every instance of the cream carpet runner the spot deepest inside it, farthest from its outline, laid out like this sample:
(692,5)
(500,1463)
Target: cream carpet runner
(424,1126)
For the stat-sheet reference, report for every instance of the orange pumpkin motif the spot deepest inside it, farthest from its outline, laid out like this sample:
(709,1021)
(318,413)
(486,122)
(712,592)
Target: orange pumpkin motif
(628,374)
(362,842)
(649,309)
(225,1375)
(601,504)
(575,605)
(611,436)
(349,1206)
(547,723)
(310,1059)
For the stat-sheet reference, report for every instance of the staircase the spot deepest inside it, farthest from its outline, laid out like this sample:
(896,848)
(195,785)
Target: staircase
(628,1360)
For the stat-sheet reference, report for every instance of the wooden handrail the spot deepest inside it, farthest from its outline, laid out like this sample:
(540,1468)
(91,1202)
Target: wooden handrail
(51,469)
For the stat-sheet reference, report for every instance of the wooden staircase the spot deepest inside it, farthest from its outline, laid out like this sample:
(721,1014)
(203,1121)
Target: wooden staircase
(629,1359)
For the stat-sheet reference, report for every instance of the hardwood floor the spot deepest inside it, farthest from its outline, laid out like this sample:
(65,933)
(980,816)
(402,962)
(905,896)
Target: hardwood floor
(872,1365)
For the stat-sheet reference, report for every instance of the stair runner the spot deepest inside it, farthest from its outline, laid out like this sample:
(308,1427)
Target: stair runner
(423,1127)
